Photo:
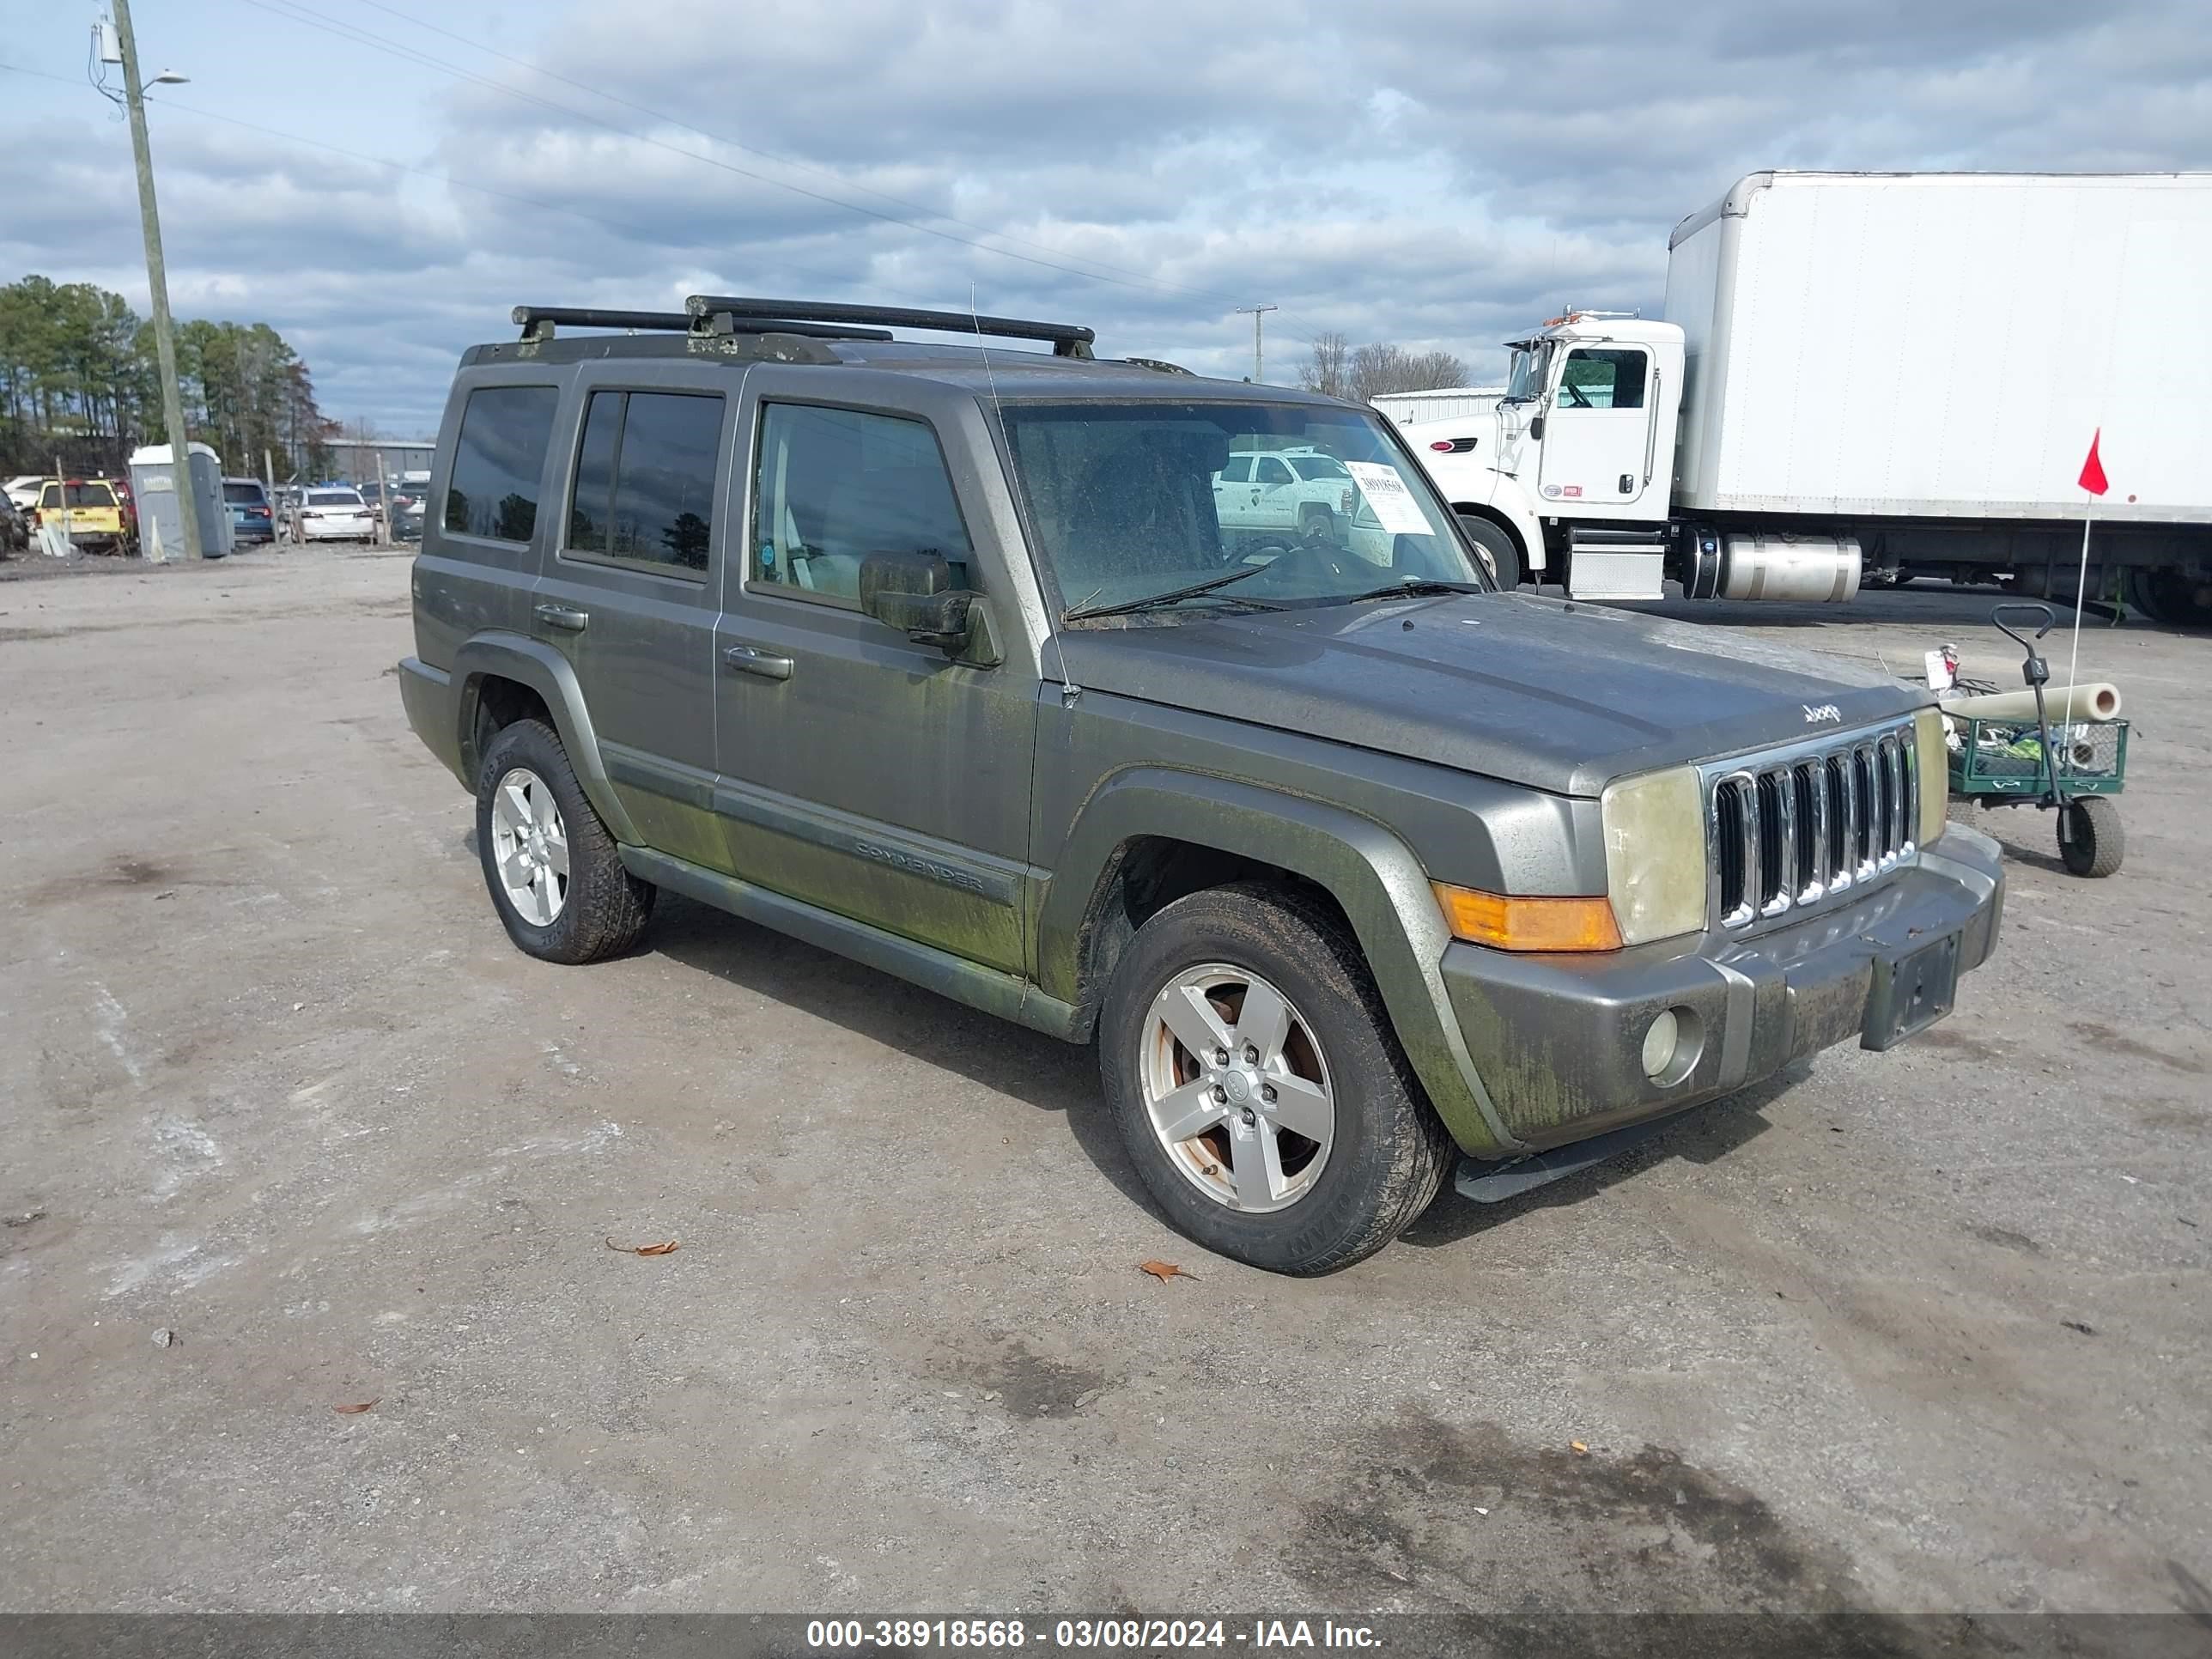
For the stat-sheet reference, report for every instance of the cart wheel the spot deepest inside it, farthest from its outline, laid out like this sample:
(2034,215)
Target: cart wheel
(2090,838)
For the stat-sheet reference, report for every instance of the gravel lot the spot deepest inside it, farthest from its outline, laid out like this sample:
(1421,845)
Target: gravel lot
(1921,1331)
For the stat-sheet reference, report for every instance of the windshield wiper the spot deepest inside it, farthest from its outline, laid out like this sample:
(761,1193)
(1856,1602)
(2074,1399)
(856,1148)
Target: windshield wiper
(1175,595)
(1415,586)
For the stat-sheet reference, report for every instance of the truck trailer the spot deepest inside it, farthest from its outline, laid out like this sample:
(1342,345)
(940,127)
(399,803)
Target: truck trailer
(1872,377)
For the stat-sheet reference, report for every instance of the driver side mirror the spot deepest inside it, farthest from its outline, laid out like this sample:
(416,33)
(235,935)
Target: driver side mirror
(914,593)
(1537,429)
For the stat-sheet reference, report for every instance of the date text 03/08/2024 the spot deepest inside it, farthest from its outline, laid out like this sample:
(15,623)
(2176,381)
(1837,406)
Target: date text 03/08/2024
(1085,1635)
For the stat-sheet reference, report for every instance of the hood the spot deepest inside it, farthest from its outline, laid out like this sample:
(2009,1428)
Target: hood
(1555,693)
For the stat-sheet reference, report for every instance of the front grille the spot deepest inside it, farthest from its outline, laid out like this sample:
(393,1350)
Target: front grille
(1806,824)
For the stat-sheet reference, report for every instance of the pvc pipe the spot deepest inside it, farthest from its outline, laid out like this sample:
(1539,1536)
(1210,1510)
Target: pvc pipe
(2098,701)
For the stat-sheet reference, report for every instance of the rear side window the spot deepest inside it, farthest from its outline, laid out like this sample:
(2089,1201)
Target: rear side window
(498,459)
(645,477)
(837,485)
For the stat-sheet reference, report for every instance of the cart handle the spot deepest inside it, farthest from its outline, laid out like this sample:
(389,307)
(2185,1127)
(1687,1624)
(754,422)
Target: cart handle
(1997,620)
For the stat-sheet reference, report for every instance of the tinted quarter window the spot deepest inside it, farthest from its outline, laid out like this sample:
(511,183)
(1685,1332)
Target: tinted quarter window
(837,485)
(498,460)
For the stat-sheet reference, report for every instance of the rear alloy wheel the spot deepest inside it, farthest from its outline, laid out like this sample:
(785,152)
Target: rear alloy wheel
(1257,1086)
(555,873)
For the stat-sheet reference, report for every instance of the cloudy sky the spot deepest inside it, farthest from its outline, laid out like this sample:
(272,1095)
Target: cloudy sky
(381,181)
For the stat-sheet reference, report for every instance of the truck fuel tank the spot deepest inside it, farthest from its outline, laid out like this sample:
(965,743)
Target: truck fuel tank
(1762,565)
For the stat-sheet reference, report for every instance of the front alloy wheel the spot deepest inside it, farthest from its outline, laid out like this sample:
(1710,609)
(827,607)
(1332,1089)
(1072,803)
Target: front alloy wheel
(1238,1089)
(529,847)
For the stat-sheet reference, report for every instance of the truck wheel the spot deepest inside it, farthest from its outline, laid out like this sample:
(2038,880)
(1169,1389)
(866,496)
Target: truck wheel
(1247,1058)
(556,876)
(1503,558)
(2090,839)
(2166,596)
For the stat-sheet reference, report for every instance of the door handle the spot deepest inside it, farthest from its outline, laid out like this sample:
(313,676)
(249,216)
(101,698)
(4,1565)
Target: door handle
(750,660)
(565,616)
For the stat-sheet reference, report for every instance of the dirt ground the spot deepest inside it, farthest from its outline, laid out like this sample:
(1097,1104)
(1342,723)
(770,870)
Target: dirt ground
(290,1127)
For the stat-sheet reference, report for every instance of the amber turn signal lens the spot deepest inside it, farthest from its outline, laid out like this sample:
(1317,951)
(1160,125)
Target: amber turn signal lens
(1506,923)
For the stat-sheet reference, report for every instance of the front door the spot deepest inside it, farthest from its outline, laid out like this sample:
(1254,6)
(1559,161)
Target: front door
(630,593)
(861,772)
(1597,432)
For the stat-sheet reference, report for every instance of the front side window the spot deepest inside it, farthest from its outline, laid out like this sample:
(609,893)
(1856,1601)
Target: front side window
(1592,378)
(837,485)
(498,459)
(645,477)
(1124,507)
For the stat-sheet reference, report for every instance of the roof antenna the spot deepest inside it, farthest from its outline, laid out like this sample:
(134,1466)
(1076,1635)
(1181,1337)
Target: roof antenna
(977,317)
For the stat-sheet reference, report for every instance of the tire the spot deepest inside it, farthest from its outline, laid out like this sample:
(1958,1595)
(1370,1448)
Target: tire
(2091,842)
(1315,520)
(1327,1201)
(1505,556)
(596,908)
(2166,596)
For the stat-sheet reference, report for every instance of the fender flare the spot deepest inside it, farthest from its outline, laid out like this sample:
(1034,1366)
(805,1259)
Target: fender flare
(537,664)
(1373,875)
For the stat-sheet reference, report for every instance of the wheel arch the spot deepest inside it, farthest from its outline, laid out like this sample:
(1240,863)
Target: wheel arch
(1150,835)
(488,663)
(1527,537)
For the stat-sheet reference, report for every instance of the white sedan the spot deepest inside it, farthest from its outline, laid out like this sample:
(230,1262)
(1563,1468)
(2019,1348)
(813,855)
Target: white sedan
(334,516)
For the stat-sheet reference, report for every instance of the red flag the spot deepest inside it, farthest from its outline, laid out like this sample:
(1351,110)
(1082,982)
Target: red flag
(2093,469)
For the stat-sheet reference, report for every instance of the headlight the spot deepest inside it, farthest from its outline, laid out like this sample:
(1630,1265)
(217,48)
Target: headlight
(1932,755)
(1655,854)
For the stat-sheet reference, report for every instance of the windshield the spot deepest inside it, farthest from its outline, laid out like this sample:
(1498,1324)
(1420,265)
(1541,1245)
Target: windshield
(1525,382)
(1131,500)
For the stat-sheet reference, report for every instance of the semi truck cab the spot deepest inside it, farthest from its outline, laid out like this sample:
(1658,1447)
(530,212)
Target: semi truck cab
(1577,460)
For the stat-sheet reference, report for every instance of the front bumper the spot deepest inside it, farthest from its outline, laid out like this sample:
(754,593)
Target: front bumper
(1558,1040)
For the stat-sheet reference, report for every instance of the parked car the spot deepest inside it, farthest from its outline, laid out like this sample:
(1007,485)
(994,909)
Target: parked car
(252,518)
(333,514)
(23,489)
(95,514)
(14,527)
(1358,877)
(124,500)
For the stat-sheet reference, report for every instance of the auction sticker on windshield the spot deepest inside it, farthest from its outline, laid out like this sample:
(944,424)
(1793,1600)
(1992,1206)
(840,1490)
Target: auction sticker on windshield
(1386,492)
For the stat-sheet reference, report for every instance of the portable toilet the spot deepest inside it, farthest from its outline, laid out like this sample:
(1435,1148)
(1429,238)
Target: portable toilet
(160,523)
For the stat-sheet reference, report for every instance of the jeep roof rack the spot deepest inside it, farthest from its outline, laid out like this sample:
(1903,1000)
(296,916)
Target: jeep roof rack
(785,316)
(540,322)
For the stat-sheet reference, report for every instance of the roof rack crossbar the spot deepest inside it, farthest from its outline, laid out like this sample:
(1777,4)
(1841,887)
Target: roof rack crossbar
(537,322)
(540,322)
(1068,339)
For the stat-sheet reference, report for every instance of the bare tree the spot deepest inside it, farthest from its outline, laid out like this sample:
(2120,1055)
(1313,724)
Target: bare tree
(1338,369)
(1383,367)
(1328,372)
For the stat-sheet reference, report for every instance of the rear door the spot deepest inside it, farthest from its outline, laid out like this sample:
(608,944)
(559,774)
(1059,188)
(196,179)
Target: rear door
(628,592)
(861,772)
(1597,432)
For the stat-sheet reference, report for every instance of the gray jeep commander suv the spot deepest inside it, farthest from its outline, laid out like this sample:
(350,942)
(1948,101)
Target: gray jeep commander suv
(955,661)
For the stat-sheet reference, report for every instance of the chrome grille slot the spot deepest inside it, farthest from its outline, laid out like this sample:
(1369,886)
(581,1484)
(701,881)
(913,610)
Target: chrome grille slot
(1787,830)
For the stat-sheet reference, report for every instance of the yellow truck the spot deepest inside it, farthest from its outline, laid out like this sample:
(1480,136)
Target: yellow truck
(97,518)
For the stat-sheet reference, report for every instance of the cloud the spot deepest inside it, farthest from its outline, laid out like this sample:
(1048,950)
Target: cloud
(1440,173)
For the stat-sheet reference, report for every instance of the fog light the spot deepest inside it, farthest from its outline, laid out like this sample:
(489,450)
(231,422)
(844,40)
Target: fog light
(1672,1046)
(1659,1044)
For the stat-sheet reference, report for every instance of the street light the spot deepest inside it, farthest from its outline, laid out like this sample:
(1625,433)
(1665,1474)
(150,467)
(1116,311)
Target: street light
(165,342)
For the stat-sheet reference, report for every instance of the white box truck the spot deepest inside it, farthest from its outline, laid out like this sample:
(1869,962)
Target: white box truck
(1880,375)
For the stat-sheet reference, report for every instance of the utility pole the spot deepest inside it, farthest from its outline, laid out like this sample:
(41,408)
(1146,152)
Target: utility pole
(165,342)
(1259,352)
